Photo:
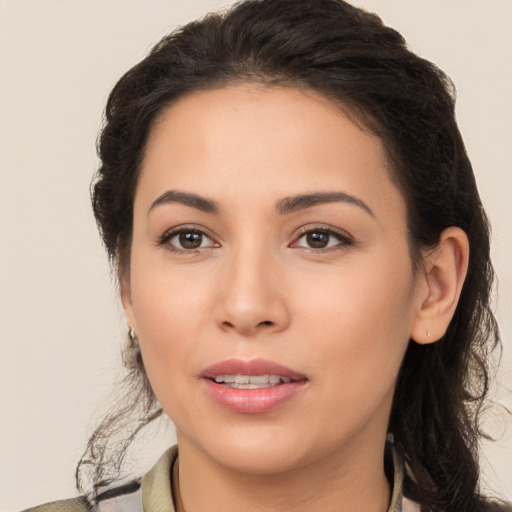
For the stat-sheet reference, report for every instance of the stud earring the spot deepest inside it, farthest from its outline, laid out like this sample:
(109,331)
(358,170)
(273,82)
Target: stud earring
(134,341)
(429,334)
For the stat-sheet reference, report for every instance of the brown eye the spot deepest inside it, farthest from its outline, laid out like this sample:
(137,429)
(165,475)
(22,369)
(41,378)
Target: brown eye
(317,240)
(190,240)
(186,240)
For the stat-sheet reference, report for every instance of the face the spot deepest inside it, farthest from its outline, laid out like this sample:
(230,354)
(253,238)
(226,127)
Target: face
(270,254)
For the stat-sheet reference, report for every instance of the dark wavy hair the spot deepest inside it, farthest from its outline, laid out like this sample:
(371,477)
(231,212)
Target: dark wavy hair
(350,57)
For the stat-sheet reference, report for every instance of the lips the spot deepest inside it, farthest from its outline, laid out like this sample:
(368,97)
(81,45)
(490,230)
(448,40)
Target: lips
(251,387)
(252,367)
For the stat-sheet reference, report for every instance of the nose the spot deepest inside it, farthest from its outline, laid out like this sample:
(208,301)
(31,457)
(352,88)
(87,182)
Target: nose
(251,298)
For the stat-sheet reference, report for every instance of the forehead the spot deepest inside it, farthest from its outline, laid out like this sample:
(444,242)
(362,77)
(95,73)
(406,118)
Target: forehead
(271,141)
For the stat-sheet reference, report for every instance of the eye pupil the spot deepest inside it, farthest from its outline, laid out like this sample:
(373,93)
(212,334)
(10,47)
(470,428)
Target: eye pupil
(317,240)
(190,240)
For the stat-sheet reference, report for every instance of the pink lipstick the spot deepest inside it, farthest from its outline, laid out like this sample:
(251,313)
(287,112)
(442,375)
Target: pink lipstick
(251,387)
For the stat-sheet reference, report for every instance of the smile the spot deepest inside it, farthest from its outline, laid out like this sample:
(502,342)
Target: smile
(256,386)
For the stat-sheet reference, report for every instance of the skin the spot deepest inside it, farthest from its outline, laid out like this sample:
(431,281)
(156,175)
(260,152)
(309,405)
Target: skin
(342,315)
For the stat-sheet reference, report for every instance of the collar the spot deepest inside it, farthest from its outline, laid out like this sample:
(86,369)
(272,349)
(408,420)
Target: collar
(157,494)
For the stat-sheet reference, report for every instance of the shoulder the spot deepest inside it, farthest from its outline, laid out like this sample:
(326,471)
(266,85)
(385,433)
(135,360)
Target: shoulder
(125,498)
(73,505)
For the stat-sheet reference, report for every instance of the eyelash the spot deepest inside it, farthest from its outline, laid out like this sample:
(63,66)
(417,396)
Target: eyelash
(344,239)
(165,239)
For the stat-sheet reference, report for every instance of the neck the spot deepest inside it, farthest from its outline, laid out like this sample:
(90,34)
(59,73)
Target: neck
(354,481)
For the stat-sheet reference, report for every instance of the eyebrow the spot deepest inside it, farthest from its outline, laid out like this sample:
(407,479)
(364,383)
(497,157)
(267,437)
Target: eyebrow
(303,201)
(286,205)
(187,199)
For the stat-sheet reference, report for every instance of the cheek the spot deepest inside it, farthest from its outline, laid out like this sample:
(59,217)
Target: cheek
(170,312)
(355,344)
(360,323)
(167,300)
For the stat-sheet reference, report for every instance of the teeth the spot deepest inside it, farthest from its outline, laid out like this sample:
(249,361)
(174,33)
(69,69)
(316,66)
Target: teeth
(251,381)
(242,379)
(256,379)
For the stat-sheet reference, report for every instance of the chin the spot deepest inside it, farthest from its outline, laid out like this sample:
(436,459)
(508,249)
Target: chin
(254,451)
(260,460)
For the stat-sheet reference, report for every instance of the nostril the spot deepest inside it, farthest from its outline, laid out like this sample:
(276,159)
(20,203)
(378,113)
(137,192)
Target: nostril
(248,329)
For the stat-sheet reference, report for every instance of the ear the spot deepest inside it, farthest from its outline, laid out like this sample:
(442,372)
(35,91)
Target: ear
(126,298)
(440,285)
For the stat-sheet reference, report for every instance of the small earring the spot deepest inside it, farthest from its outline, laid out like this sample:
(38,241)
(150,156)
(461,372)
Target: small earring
(429,334)
(133,338)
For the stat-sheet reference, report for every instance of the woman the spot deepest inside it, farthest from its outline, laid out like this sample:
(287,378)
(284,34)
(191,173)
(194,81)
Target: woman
(303,261)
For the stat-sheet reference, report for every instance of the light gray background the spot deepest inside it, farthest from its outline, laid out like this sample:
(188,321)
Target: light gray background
(61,324)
